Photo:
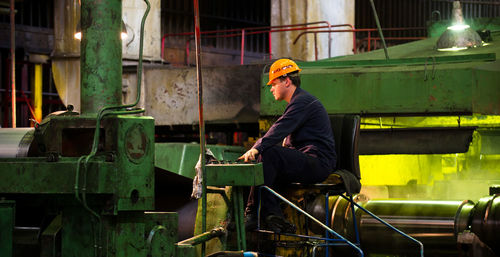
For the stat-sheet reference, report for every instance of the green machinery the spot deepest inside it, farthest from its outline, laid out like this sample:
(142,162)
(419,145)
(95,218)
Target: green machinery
(69,189)
(428,141)
(84,184)
(95,183)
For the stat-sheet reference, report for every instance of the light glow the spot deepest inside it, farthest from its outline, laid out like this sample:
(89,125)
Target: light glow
(452,49)
(124,35)
(458,27)
(78,35)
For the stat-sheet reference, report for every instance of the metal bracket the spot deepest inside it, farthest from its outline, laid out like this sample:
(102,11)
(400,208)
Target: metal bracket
(433,67)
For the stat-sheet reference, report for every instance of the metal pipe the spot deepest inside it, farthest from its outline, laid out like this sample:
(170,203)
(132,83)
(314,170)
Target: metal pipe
(197,36)
(379,30)
(37,97)
(202,238)
(270,46)
(13,61)
(369,40)
(242,55)
(101,55)
(316,46)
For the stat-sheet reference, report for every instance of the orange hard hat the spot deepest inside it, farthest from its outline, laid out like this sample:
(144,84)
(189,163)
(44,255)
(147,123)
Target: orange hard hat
(281,67)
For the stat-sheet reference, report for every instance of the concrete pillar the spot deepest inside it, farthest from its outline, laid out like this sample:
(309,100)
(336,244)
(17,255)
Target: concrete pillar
(285,12)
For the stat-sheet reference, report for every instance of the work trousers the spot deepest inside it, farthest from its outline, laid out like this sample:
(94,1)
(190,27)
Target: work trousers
(283,166)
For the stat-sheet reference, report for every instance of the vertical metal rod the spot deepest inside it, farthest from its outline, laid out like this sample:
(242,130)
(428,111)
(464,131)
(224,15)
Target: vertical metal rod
(187,52)
(239,195)
(13,60)
(379,30)
(353,212)
(316,46)
(327,222)
(270,47)
(197,36)
(242,55)
(37,93)
(329,41)
(369,41)
(237,221)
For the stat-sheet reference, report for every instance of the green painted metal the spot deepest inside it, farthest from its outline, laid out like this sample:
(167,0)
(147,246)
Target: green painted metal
(203,237)
(185,250)
(130,233)
(135,158)
(49,237)
(39,176)
(98,190)
(238,213)
(7,221)
(101,55)
(116,183)
(430,60)
(180,158)
(162,234)
(244,174)
(417,80)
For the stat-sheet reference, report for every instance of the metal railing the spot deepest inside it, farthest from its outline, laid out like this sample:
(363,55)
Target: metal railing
(253,31)
(369,38)
(307,29)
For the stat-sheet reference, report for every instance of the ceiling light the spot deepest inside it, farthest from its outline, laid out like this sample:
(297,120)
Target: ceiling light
(459,36)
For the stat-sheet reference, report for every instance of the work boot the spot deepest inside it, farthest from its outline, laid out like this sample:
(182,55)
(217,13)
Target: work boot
(279,224)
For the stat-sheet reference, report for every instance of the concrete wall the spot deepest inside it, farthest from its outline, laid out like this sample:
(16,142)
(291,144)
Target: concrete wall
(231,94)
(132,12)
(285,12)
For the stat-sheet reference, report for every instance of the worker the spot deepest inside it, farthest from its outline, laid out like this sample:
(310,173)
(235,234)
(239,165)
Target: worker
(299,147)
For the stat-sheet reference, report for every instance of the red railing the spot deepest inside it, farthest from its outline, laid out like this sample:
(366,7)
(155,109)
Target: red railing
(369,38)
(252,31)
(293,27)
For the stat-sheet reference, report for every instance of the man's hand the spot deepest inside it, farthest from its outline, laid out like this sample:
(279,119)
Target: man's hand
(249,155)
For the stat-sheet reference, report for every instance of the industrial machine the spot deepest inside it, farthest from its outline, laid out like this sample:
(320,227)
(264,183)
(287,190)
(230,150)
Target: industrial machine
(428,144)
(95,183)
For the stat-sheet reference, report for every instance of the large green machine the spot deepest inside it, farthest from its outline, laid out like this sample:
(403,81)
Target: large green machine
(84,184)
(95,183)
(429,152)
(79,184)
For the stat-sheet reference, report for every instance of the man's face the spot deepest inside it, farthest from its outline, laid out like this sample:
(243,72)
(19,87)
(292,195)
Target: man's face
(279,87)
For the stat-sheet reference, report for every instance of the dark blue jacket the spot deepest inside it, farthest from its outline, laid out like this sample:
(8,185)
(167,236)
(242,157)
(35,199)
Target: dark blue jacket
(306,126)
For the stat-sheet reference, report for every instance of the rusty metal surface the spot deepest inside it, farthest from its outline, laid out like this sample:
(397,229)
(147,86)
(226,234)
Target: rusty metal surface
(231,94)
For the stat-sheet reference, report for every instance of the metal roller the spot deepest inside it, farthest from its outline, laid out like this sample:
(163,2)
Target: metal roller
(485,222)
(430,222)
(446,228)
(15,142)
